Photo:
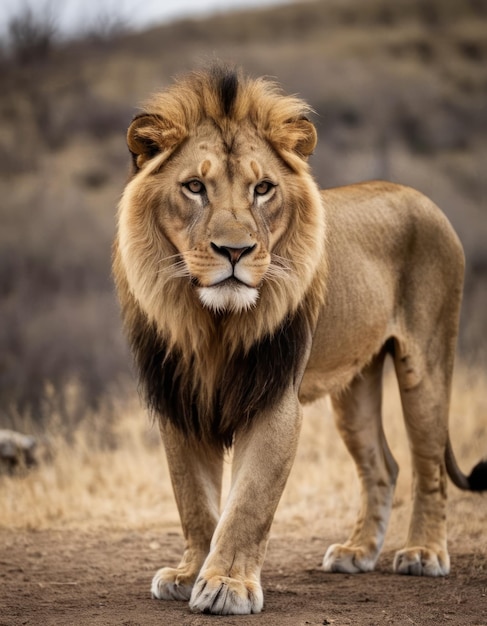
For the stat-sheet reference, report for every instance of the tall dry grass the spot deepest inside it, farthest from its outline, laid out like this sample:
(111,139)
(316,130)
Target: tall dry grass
(113,474)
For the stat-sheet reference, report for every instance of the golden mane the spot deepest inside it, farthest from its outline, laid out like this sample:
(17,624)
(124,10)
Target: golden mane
(227,98)
(179,344)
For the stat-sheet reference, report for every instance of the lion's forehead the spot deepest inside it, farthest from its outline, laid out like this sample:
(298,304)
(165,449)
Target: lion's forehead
(245,167)
(237,155)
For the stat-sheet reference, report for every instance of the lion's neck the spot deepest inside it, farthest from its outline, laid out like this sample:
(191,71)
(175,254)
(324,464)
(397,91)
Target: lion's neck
(211,394)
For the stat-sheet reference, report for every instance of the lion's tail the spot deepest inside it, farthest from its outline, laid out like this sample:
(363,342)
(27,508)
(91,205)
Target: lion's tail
(476,481)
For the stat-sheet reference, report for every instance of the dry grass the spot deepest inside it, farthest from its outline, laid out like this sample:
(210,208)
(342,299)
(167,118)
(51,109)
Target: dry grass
(115,476)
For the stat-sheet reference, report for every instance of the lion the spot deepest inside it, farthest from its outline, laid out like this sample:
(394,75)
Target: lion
(246,292)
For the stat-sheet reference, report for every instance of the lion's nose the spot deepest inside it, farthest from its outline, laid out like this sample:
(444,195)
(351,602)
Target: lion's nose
(232,254)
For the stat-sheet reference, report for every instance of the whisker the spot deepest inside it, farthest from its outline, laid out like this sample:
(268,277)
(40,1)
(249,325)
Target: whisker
(178,269)
(171,256)
(280,269)
(276,274)
(175,266)
(286,263)
(275,270)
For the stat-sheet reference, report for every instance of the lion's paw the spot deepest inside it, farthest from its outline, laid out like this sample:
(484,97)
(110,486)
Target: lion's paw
(421,562)
(222,595)
(170,584)
(347,560)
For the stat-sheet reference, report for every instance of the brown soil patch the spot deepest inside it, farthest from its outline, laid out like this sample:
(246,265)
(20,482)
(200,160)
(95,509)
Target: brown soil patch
(64,578)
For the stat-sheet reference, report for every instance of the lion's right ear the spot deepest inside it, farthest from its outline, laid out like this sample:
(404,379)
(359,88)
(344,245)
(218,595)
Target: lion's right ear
(149,135)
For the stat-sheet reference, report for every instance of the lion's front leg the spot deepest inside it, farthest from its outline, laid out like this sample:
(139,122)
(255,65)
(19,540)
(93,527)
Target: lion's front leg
(196,474)
(229,581)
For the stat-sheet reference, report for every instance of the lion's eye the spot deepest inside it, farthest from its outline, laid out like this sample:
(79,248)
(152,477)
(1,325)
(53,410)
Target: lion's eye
(195,186)
(263,188)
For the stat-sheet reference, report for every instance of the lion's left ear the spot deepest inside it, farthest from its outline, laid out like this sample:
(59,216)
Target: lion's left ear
(306,137)
(296,135)
(150,134)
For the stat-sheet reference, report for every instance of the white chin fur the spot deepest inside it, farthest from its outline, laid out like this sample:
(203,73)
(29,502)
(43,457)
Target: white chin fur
(228,298)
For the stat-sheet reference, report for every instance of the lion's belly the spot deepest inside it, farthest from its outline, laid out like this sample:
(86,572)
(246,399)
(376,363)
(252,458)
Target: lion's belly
(322,378)
(338,355)
(358,317)
(316,384)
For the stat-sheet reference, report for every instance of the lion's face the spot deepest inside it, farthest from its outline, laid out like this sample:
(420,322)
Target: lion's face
(223,212)
(217,214)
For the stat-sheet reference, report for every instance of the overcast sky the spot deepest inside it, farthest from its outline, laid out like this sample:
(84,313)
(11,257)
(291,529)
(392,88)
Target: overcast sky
(72,16)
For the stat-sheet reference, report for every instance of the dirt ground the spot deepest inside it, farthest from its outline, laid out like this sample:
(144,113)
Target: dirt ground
(54,578)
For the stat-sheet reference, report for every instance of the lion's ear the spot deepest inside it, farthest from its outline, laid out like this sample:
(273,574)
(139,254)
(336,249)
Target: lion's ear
(296,136)
(306,136)
(150,134)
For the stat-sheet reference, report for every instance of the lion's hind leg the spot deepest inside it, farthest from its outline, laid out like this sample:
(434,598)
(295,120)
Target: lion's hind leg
(424,385)
(358,417)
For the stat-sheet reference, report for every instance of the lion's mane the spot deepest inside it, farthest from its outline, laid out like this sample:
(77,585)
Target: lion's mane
(209,373)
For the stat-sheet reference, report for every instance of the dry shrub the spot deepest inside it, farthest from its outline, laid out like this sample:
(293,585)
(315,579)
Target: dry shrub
(31,34)
(60,318)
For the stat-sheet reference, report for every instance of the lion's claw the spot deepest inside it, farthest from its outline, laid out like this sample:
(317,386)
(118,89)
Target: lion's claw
(169,584)
(421,562)
(222,595)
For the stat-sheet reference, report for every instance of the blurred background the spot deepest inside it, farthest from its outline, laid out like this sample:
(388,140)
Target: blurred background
(400,93)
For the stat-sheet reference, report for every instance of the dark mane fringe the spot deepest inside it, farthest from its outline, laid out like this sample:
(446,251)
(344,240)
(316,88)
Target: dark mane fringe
(226,80)
(250,383)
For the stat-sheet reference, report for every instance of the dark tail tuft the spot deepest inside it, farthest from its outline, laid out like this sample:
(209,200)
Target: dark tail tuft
(477,480)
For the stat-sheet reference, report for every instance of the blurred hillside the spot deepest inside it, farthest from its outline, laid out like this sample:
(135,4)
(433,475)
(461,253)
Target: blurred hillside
(400,92)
